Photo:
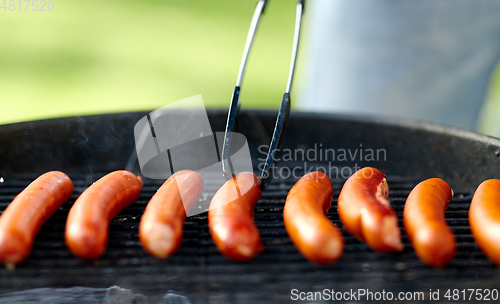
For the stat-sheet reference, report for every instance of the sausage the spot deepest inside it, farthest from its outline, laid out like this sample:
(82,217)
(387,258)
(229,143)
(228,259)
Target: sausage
(425,224)
(230,217)
(484,218)
(25,215)
(310,230)
(160,229)
(365,212)
(88,220)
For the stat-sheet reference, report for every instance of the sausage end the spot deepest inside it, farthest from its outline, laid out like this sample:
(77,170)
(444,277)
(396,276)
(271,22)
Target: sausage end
(14,247)
(88,243)
(435,245)
(160,240)
(391,234)
(331,252)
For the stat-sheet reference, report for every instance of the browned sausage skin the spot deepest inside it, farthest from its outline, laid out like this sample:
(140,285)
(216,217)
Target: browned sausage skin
(484,218)
(365,212)
(230,217)
(87,226)
(425,224)
(25,215)
(304,215)
(160,230)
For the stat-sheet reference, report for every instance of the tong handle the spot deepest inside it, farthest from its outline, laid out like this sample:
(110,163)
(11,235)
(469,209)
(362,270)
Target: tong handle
(259,10)
(296,35)
(281,121)
(279,129)
(284,110)
(234,107)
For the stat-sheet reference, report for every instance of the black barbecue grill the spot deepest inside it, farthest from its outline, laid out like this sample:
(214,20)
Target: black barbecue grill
(86,148)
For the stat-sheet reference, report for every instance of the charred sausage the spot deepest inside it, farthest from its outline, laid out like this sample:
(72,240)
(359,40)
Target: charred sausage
(25,215)
(365,212)
(230,217)
(425,224)
(484,218)
(88,220)
(160,229)
(304,215)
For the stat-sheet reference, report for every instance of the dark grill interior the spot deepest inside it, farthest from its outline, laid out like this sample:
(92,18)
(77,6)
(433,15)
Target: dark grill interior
(199,257)
(199,272)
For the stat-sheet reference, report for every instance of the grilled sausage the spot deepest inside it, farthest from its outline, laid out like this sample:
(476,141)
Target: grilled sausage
(484,218)
(365,212)
(25,215)
(230,217)
(160,230)
(425,225)
(88,220)
(310,230)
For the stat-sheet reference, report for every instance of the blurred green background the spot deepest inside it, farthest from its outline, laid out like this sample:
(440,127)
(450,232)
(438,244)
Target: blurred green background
(90,56)
(490,117)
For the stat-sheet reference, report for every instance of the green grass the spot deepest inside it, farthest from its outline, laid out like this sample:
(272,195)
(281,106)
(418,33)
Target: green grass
(490,116)
(88,57)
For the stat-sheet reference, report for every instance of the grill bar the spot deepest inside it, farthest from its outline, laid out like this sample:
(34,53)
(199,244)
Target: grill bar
(197,253)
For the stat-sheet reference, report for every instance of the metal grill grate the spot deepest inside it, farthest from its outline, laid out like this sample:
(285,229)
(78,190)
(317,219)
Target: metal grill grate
(82,146)
(198,267)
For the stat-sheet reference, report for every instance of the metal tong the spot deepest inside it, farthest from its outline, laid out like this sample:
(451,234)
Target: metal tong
(284,110)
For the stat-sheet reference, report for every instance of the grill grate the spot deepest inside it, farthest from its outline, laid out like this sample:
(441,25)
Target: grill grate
(198,268)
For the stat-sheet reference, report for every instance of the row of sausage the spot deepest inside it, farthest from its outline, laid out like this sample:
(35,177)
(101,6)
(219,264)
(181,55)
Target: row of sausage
(366,214)
(362,206)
